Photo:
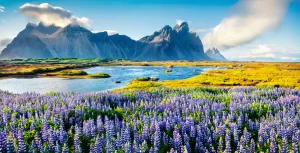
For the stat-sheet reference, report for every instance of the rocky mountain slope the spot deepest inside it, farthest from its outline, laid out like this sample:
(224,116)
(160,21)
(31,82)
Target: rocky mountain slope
(73,41)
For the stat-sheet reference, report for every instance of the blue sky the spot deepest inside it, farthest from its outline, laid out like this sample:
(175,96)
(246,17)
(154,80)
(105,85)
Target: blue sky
(137,18)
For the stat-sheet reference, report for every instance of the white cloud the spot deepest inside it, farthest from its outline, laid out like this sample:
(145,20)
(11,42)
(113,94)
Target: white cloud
(2,8)
(250,20)
(262,49)
(178,22)
(52,15)
(264,52)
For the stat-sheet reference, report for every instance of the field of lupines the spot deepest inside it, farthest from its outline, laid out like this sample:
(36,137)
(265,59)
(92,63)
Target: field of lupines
(241,119)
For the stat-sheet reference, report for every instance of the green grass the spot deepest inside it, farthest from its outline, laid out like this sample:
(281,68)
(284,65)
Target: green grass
(72,73)
(266,76)
(99,75)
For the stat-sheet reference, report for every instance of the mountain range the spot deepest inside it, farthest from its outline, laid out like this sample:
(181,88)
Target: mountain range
(74,41)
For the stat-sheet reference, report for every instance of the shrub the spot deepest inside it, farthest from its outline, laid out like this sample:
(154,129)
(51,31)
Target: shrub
(99,75)
(72,72)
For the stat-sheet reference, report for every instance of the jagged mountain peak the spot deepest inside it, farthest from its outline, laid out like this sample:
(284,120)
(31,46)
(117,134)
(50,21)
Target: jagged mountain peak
(72,31)
(30,25)
(213,50)
(215,54)
(166,28)
(47,29)
(183,27)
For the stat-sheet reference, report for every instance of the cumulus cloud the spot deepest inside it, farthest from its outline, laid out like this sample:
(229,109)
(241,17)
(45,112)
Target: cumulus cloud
(49,14)
(251,18)
(266,52)
(2,8)
(4,42)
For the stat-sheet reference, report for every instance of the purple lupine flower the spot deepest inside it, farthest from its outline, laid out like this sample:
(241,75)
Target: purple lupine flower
(284,145)
(273,147)
(227,147)
(295,145)
(168,127)
(252,146)
(45,127)
(177,140)
(77,147)
(98,145)
(185,138)
(38,143)
(51,141)
(21,144)
(145,132)
(9,145)
(3,141)
(220,144)
(157,137)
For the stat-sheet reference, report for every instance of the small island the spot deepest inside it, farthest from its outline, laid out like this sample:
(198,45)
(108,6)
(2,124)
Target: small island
(78,74)
(99,75)
(142,79)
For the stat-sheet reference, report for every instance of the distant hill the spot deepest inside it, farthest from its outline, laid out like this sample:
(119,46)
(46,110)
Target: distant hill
(73,41)
(215,54)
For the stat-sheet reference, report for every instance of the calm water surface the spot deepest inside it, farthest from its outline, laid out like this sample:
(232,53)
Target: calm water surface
(118,73)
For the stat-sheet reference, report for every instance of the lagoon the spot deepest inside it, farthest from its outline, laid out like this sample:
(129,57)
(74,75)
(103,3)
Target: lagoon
(118,73)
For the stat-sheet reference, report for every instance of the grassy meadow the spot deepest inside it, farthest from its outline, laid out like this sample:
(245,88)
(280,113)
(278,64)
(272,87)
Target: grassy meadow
(266,76)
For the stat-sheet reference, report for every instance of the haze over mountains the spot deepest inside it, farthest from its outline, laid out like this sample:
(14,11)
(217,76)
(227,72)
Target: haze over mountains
(74,41)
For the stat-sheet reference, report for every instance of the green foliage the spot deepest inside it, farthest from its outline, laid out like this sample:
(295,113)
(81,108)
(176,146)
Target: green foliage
(44,107)
(29,135)
(6,110)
